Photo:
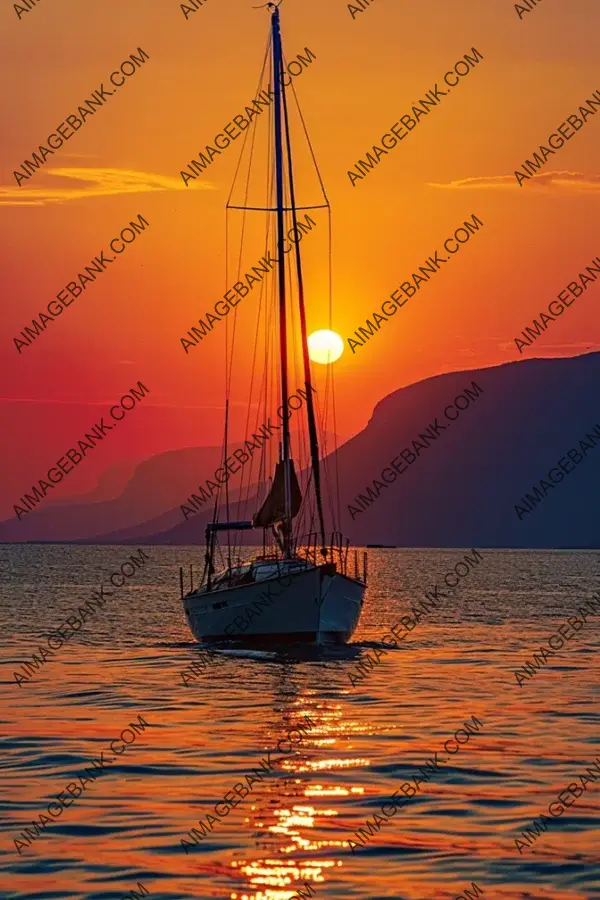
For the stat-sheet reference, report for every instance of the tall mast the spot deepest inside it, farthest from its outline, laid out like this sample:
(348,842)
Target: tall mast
(277,70)
(310,408)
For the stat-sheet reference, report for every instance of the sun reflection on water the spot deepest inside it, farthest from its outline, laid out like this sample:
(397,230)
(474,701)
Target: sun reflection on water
(285,823)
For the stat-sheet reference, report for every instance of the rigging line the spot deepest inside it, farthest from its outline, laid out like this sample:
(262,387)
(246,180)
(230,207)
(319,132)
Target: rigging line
(243,503)
(308,505)
(310,146)
(272,370)
(330,386)
(269,313)
(260,81)
(227,485)
(323,419)
(215,514)
(230,375)
(326,463)
(264,310)
(242,235)
(285,527)
(271,457)
(335,432)
(227,390)
(269,337)
(272,374)
(251,155)
(269,329)
(243,230)
(292,321)
(301,435)
(305,500)
(269,378)
(303,451)
(250,393)
(229,360)
(233,185)
(324,424)
(312,428)
(274,208)
(323,402)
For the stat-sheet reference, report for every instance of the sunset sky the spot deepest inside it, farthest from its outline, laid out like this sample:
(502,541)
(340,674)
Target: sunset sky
(202,71)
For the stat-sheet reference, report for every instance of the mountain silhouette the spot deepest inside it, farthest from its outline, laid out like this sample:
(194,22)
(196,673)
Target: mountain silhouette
(460,491)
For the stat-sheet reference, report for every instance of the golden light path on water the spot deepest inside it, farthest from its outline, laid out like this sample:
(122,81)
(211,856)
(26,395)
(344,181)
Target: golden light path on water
(369,738)
(290,825)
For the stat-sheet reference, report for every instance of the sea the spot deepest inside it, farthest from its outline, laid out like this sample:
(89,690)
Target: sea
(501,748)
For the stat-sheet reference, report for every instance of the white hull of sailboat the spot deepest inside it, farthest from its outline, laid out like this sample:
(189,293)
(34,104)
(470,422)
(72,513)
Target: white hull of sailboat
(312,607)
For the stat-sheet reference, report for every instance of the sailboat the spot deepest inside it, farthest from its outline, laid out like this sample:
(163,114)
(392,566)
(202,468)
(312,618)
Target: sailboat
(299,586)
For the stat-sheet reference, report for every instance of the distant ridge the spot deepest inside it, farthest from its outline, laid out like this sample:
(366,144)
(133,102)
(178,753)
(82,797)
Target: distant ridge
(461,492)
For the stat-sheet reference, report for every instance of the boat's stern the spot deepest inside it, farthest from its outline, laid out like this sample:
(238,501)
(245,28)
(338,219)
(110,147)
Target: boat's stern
(307,603)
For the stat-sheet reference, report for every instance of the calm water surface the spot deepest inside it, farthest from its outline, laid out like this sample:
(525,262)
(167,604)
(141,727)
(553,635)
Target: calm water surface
(293,829)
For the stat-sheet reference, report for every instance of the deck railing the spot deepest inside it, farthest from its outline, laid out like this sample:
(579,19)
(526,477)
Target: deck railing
(309,547)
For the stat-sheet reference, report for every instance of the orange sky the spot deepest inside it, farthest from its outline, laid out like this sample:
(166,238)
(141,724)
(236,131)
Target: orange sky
(202,71)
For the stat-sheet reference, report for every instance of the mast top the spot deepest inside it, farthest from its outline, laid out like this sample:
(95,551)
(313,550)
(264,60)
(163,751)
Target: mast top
(270,5)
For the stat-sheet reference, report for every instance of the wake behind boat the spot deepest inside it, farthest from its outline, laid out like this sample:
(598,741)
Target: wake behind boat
(295,590)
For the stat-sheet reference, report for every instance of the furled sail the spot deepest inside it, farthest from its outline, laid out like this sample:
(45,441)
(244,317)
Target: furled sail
(273,509)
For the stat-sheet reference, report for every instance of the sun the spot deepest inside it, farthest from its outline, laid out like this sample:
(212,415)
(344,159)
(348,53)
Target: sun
(325,346)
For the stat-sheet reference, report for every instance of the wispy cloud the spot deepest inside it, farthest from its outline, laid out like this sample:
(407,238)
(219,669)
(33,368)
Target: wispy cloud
(90,182)
(575,182)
